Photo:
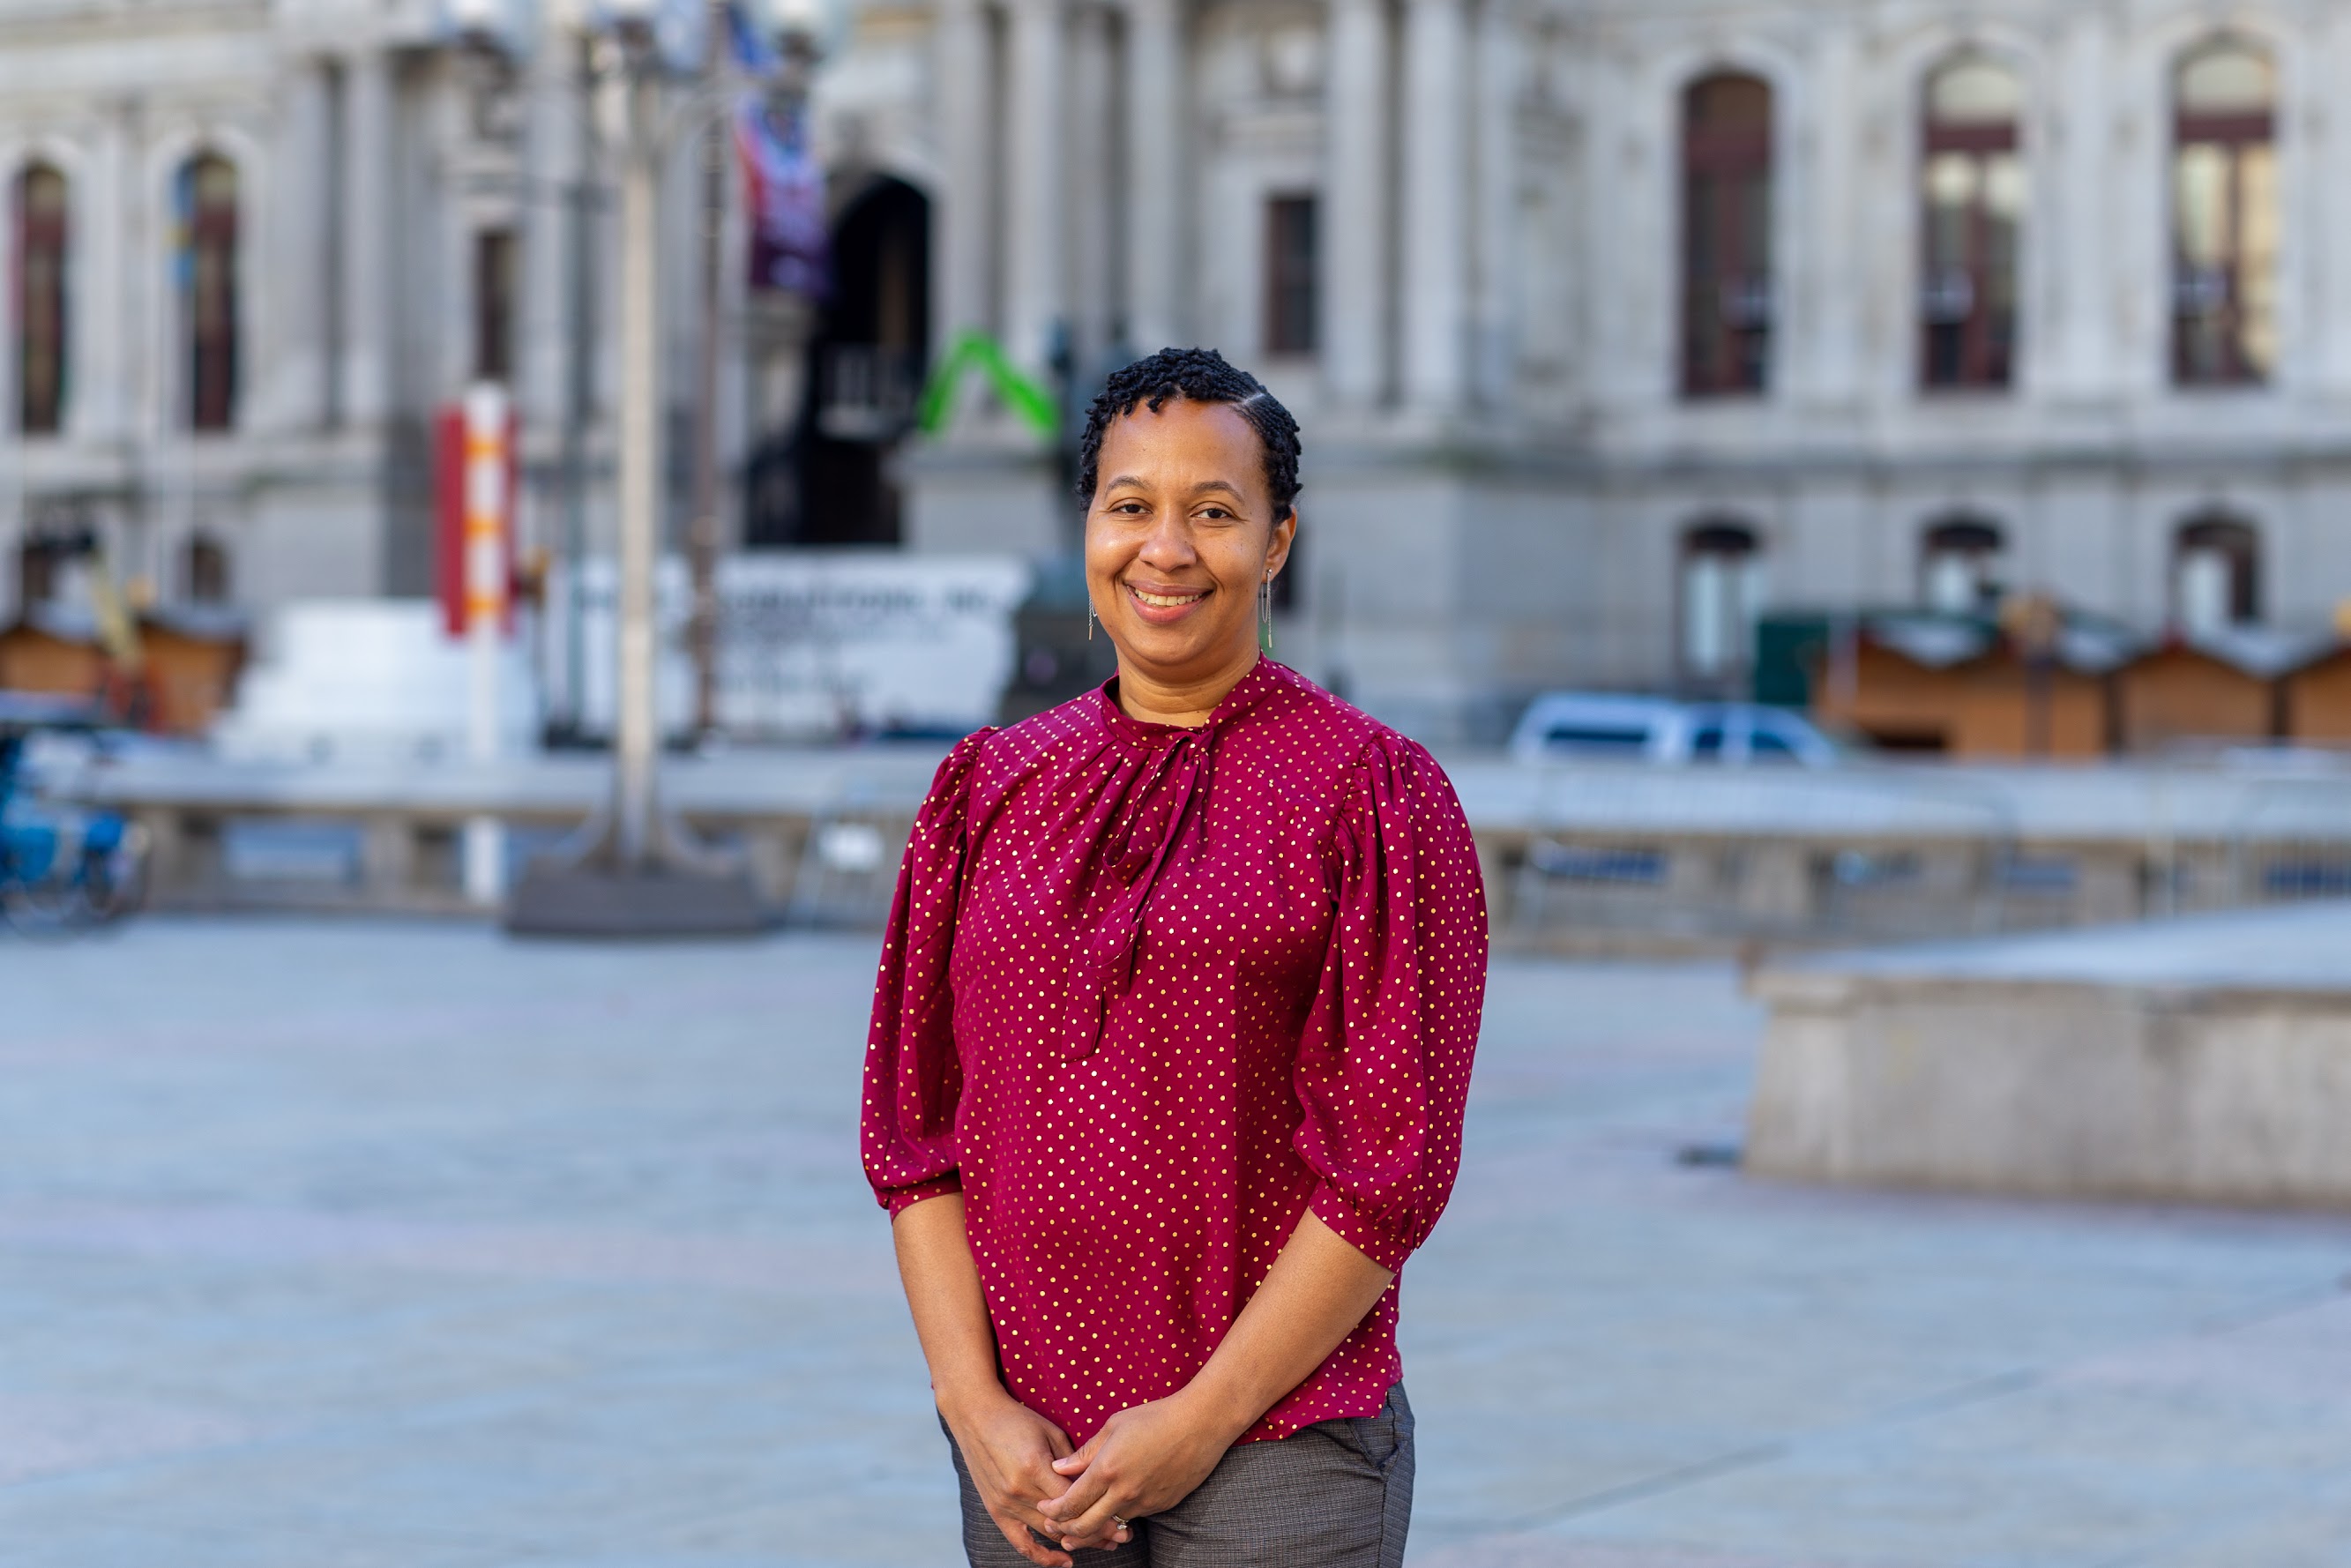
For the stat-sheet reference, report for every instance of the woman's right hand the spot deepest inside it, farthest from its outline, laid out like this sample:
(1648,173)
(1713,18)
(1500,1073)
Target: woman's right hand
(1009,1451)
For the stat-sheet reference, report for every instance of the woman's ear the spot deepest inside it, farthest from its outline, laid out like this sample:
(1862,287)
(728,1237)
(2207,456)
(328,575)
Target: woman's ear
(1285,534)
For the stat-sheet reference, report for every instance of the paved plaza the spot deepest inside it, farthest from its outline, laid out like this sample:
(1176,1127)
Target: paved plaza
(378,1245)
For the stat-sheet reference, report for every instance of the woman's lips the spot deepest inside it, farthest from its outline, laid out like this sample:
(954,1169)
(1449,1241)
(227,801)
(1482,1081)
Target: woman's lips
(1162,606)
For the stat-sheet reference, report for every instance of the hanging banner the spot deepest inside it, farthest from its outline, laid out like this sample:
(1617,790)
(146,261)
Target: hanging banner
(784,196)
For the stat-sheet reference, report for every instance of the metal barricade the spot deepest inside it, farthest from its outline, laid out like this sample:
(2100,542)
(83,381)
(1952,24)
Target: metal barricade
(848,867)
(2291,840)
(1632,853)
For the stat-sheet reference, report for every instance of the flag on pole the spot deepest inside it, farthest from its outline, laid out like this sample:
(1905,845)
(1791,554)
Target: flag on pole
(784,188)
(753,53)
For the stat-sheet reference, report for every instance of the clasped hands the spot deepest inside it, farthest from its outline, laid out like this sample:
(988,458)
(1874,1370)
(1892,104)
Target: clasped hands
(1145,1459)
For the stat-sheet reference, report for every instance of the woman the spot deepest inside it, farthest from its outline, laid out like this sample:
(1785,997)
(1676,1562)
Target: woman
(1170,1046)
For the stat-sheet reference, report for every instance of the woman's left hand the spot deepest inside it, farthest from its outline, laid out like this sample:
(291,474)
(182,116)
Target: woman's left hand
(1149,1458)
(1145,1459)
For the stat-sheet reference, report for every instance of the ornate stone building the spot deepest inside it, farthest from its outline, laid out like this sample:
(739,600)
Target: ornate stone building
(259,243)
(1614,323)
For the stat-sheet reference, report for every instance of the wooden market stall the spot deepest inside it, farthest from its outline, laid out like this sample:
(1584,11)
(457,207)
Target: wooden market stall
(190,659)
(184,674)
(56,654)
(2229,688)
(2318,700)
(1962,687)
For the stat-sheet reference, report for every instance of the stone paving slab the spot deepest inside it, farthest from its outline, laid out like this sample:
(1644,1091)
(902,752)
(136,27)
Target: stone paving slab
(364,1244)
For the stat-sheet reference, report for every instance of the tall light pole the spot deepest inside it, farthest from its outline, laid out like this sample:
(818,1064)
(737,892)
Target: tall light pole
(635,740)
(635,872)
(702,535)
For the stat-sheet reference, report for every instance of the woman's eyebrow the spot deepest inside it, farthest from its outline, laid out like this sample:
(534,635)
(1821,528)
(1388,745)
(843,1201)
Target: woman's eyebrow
(1204,488)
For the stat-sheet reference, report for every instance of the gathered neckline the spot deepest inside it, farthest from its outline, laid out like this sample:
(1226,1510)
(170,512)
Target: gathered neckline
(1245,695)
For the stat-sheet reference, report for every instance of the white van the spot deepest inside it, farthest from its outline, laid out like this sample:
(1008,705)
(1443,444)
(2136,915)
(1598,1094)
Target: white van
(1592,725)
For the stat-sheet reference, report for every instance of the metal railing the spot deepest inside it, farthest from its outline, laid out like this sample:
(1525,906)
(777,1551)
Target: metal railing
(1683,857)
(1585,856)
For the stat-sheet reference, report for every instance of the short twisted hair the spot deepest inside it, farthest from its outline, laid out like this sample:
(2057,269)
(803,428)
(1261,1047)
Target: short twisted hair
(1197,375)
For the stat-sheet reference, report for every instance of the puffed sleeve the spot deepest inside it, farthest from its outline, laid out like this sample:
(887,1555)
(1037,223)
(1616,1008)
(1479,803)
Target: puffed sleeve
(1383,1073)
(913,1079)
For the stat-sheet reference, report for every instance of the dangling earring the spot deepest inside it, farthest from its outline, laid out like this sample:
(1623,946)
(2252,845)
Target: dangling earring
(1265,614)
(1090,617)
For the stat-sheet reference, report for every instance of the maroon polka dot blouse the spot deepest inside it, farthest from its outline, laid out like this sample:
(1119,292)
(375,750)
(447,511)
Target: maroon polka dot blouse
(1150,994)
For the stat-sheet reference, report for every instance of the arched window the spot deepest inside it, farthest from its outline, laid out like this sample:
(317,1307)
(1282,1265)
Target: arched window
(1722,595)
(2215,576)
(207,569)
(210,304)
(1973,193)
(53,561)
(1726,235)
(41,238)
(1959,566)
(1293,275)
(36,574)
(497,279)
(2224,193)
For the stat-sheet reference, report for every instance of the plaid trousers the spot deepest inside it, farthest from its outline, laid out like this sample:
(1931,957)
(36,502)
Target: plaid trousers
(1337,1494)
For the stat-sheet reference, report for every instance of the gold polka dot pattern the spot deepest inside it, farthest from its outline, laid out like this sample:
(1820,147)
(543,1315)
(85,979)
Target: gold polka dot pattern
(1150,994)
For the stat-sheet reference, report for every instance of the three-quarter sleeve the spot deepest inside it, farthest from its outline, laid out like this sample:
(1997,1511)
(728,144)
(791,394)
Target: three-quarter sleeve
(1383,1073)
(913,1078)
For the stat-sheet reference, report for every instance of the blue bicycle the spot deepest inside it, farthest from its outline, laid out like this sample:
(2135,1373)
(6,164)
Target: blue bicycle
(63,867)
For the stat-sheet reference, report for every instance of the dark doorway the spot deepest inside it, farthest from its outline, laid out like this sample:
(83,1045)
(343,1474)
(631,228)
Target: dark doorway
(827,481)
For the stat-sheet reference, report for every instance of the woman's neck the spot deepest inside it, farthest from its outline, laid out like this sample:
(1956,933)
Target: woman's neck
(1148,699)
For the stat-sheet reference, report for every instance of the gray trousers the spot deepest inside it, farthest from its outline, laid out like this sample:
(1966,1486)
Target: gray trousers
(1337,1494)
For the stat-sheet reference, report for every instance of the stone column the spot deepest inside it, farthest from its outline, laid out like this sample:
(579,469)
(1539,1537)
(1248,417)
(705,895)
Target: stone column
(1629,298)
(1823,294)
(2079,353)
(1155,76)
(1035,210)
(364,214)
(1355,256)
(2322,159)
(1093,185)
(964,289)
(1494,353)
(99,405)
(1435,205)
(553,158)
(297,319)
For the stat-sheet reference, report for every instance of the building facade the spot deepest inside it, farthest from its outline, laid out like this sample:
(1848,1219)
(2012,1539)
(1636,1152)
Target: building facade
(1615,323)
(257,245)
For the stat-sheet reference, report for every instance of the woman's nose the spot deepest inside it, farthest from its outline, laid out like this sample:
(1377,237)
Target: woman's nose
(1169,540)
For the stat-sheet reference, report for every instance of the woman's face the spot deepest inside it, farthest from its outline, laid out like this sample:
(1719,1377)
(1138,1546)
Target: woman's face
(1181,535)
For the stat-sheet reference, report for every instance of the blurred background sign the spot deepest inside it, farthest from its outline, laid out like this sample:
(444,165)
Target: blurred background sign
(818,647)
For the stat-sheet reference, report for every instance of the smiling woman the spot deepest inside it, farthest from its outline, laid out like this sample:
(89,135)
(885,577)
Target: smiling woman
(1170,1046)
(1191,525)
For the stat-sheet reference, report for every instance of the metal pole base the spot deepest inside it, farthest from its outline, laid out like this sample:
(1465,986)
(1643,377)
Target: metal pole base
(597,901)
